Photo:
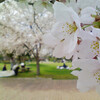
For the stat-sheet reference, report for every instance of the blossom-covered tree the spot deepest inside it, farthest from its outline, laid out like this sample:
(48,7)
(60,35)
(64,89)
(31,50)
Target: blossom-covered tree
(22,30)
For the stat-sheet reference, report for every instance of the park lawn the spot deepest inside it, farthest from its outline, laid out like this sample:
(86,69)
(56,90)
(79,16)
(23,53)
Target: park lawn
(47,70)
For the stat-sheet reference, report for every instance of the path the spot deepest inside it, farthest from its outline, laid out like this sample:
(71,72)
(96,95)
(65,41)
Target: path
(42,89)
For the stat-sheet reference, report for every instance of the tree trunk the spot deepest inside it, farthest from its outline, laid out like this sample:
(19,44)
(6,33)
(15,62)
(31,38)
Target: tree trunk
(37,60)
(12,62)
(38,66)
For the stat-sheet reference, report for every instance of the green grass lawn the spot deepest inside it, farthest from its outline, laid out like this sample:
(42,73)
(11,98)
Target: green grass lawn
(47,70)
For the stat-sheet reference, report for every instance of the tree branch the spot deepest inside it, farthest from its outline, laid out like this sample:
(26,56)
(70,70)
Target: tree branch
(30,50)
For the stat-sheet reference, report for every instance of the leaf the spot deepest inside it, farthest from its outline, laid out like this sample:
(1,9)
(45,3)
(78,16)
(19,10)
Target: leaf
(97,24)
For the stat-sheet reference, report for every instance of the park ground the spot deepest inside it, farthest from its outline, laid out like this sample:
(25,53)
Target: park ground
(47,70)
(52,84)
(42,89)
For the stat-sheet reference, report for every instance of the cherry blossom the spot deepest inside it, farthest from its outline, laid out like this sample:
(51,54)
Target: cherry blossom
(64,32)
(89,45)
(86,15)
(89,76)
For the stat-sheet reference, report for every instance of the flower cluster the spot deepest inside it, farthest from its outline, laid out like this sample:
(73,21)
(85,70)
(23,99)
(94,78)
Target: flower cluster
(76,35)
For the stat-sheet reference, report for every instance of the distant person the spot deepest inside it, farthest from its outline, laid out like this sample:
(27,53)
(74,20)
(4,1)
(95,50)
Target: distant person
(4,68)
(22,65)
(64,65)
(63,61)
(15,69)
